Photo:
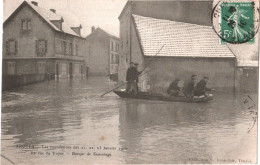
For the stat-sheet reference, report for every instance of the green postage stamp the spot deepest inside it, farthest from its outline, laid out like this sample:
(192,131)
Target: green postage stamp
(237,22)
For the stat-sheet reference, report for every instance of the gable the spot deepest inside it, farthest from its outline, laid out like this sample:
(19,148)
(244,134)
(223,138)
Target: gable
(46,15)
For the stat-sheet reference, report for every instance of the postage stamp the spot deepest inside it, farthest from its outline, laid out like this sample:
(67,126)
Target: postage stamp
(236,22)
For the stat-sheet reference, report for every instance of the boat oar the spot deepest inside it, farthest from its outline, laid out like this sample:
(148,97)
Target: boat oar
(113,89)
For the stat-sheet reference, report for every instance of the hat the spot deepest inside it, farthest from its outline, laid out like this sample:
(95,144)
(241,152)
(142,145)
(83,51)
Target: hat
(193,75)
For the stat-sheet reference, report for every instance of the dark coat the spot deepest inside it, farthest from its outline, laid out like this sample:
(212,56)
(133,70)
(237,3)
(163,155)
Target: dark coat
(201,88)
(174,86)
(188,86)
(132,74)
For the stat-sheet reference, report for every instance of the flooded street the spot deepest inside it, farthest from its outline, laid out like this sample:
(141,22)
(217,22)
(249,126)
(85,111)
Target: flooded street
(70,114)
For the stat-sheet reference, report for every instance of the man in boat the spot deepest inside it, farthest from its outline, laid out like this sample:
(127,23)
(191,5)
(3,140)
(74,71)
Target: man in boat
(201,88)
(136,74)
(188,86)
(174,89)
(131,78)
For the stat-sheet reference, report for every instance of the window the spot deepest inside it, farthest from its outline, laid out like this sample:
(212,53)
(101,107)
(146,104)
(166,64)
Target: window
(41,67)
(117,46)
(11,68)
(117,58)
(63,47)
(114,59)
(77,49)
(41,47)
(26,25)
(111,45)
(70,48)
(11,46)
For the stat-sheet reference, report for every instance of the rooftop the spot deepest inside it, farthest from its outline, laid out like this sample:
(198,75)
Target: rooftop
(179,39)
(98,29)
(49,16)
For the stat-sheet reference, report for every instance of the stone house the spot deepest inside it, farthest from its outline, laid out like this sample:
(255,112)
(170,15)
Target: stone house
(37,42)
(187,49)
(196,12)
(102,53)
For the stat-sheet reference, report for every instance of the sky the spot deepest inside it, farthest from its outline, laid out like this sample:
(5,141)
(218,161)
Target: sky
(98,13)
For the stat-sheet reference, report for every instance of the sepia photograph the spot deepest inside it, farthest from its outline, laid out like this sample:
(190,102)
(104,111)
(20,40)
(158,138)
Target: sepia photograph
(129,82)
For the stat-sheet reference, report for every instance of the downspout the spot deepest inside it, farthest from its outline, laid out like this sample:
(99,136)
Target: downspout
(130,38)
(235,70)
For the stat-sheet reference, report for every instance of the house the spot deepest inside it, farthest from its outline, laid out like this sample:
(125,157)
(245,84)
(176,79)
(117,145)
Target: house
(102,53)
(37,42)
(195,12)
(186,49)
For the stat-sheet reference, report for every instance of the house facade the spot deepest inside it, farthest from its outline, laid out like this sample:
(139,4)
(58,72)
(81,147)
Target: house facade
(196,12)
(103,53)
(170,49)
(39,42)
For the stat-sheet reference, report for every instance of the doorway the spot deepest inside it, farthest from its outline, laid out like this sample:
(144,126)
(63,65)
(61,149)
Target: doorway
(250,78)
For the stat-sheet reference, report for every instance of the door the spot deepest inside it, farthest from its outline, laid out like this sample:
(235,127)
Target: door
(250,78)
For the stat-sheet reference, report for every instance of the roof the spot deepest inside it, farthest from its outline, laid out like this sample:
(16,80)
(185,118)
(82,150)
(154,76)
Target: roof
(130,2)
(98,29)
(48,16)
(179,39)
(247,63)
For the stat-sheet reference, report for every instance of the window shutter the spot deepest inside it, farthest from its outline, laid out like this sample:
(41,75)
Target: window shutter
(15,46)
(46,46)
(72,49)
(36,46)
(7,46)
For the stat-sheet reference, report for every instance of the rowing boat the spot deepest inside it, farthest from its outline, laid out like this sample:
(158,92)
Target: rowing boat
(161,97)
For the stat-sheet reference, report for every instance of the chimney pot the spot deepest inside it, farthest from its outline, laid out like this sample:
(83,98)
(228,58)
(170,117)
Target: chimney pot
(34,3)
(93,29)
(53,10)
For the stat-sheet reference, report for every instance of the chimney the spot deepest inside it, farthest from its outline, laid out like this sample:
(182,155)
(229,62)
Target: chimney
(93,29)
(53,10)
(34,3)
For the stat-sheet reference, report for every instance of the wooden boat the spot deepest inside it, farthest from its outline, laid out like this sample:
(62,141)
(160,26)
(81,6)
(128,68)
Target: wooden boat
(161,97)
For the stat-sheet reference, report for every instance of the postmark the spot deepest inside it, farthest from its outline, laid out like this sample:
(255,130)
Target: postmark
(236,22)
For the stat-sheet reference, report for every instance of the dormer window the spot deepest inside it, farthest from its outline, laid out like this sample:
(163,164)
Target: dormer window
(26,25)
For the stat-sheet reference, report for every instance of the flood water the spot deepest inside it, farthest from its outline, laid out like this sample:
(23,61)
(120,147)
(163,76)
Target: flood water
(70,116)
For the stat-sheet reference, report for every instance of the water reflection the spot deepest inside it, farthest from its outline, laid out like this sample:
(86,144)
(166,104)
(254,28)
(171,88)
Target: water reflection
(166,132)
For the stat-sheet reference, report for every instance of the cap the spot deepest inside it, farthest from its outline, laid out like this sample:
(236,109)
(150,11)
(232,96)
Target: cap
(193,75)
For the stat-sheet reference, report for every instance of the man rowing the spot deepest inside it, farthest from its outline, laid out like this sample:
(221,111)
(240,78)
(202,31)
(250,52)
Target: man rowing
(174,89)
(188,86)
(201,88)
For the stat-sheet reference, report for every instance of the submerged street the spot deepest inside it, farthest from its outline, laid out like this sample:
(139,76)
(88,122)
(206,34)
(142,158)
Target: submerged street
(68,113)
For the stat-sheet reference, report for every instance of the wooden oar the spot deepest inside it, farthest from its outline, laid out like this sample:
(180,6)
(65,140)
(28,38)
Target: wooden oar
(137,76)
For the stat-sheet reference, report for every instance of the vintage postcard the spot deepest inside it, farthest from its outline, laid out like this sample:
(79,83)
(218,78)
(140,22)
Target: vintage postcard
(129,82)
